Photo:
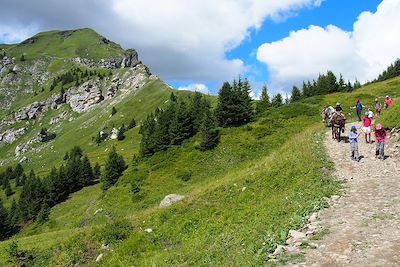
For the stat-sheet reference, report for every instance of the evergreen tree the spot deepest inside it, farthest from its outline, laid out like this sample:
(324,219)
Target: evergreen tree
(43,214)
(264,101)
(225,109)
(113,111)
(296,94)
(87,175)
(147,130)
(97,171)
(246,105)
(13,214)
(181,126)
(209,132)
(115,166)
(7,188)
(161,133)
(66,156)
(31,197)
(76,152)
(277,100)
(132,124)
(121,133)
(22,58)
(4,228)
(198,107)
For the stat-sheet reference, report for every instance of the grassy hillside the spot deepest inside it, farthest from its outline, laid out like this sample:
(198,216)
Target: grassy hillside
(84,43)
(242,197)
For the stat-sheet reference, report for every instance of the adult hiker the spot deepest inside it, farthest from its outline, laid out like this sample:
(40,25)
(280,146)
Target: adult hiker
(366,128)
(388,102)
(359,107)
(380,134)
(378,107)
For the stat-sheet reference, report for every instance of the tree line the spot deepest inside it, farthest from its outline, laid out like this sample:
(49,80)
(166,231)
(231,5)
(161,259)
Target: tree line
(39,195)
(180,120)
(392,71)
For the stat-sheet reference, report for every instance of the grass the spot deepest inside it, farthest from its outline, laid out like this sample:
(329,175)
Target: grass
(320,234)
(391,117)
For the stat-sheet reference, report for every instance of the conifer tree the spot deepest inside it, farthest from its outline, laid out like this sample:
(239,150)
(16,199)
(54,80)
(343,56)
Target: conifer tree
(209,132)
(97,171)
(114,167)
(132,124)
(13,214)
(277,100)
(264,101)
(225,109)
(86,175)
(31,197)
(4,228)
(121,133)
(113,111)
(296,94)
(147,130)
(43,214)
(181,126)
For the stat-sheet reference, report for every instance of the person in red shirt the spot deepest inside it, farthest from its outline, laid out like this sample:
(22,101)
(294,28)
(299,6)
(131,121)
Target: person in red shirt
(380,134)
(388,102)
(366,128)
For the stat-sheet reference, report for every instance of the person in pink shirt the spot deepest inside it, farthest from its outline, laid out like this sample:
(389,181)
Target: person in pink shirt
(366,128)
(380,134)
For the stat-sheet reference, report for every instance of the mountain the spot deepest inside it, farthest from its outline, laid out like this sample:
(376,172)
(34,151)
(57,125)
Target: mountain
(237,202)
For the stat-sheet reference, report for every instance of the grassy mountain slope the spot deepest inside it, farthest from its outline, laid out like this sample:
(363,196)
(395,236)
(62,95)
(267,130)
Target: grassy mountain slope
(242,197)
(84,43)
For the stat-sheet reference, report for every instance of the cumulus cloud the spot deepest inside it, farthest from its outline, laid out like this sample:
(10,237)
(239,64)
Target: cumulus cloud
(178,39)
(195,87)
(363,53)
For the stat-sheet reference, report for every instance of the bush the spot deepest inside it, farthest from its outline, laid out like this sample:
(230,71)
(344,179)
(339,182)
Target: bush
(184,175)
(115,231)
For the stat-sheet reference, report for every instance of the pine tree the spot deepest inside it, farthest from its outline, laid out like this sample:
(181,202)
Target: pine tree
(132,124)
(31,197)
(7,190)
(113,111)
(13,214)
(209,132)
(147,130)
(181,126)
(22,58)
(115,166)
(264,101)
(121,132)
(198,107)
(87,176)
(277,100)
(76,152)
(4,227)
(296,94)
(97,171)
(43,214)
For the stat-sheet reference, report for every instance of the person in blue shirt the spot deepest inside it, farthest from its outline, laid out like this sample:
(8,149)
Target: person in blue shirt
(353,138)
(359,108)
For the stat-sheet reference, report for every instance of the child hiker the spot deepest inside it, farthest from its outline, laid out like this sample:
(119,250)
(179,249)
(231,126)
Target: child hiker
(380,134)
(366,128)
(353,137)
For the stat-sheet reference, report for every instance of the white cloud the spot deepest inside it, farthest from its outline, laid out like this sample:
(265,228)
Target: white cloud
(363,53)
(11,35)
(195,87)
(177,39)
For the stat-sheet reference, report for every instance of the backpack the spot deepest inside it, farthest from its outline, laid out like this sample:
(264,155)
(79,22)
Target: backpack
(358,106)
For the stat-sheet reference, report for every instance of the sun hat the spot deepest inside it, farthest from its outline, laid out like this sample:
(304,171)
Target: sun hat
(376,99)
(353,127)
(379,126)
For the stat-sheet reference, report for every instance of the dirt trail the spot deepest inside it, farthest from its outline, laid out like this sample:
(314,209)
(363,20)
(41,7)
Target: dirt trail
(364,224)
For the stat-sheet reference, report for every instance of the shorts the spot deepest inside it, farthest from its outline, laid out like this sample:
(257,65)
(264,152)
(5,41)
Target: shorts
(366,130)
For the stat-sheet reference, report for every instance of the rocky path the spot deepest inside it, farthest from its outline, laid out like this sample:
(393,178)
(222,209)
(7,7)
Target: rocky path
(364,224)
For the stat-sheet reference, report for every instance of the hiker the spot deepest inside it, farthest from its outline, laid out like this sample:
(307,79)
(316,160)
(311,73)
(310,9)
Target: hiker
(380,134)
(359,107)
(366,128)
(378,107)
(388,102)
(353,138)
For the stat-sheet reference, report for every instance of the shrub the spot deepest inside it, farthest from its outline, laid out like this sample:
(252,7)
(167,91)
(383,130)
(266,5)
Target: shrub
(184,175)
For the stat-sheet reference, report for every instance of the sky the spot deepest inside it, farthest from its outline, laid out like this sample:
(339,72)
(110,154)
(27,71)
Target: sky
(198,44)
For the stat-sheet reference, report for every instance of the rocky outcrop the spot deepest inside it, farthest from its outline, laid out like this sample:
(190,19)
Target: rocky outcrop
(9,136)
(85,96)
(58,118)
(130,59)
(6,64)
(170,199)
(112,90)
(30,112)
(21,148)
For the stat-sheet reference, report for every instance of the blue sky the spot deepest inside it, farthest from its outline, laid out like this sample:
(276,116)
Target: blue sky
(342,13)
(199,44)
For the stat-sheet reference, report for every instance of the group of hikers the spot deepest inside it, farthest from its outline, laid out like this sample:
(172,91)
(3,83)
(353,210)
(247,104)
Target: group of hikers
(334,117)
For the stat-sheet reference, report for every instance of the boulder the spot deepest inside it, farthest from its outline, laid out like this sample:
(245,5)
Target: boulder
(24,160)
(114,133)
(296,234)
(170,199)
(103,135)
(85,96)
